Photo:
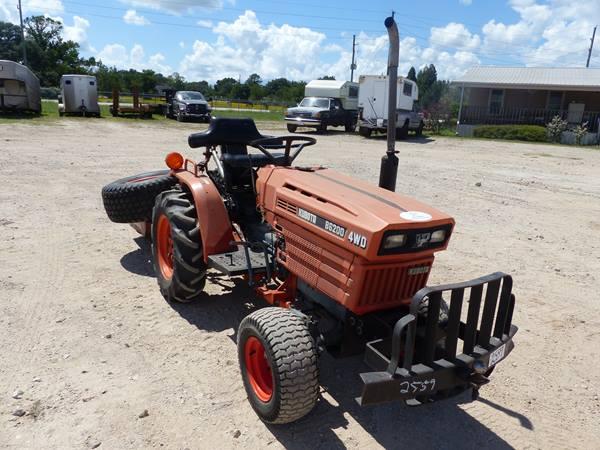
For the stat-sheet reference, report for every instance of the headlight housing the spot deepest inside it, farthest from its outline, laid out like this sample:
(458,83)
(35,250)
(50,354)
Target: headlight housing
(404,241)
(317,115)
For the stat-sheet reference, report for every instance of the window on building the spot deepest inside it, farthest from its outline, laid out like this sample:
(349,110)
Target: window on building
(555,100)
(407,89)
(496,101)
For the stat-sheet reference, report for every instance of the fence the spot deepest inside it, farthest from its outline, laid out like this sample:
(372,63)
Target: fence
(478,115)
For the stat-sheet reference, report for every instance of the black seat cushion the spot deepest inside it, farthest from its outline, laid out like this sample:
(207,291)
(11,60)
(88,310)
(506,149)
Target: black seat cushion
(226,132)
(251,160)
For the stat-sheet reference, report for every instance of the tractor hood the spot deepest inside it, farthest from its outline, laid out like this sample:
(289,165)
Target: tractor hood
(351,212)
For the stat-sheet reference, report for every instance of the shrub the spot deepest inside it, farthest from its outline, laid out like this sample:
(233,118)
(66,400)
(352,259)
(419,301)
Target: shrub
(555,128)
(50,93)
(530,133)
(580,131)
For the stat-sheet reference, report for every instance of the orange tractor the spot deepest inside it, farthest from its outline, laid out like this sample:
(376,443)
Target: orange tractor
(343,265)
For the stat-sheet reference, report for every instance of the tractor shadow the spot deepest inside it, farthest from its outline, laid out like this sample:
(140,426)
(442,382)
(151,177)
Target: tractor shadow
(438,425)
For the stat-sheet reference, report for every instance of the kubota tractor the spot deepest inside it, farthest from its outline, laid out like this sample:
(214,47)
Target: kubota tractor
(343,265)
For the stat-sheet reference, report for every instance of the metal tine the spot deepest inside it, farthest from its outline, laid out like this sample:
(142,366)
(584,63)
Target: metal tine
(511,309)
(456,301)
(472,318)
(503,307)
(489,309)
(433,317)
(409,345)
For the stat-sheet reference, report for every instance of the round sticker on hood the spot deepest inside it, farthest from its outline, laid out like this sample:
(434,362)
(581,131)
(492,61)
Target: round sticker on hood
(415,216)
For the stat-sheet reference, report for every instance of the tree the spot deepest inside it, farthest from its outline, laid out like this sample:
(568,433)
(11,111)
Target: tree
(48,54)
(430,89)
(412,74)
(254,79)
(10,42)
(224,87)
(327,77)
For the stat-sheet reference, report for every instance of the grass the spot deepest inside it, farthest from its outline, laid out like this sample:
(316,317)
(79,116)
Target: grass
(50,114)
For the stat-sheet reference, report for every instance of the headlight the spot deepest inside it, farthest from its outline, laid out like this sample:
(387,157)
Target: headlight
(182,107)
(437,236)
(394,241)
(287,112)
(317,115)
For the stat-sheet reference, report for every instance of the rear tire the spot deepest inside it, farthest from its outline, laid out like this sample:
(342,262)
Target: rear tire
(322,128)
(131,199)
(350,127)
(292,128)
(278,362)
(402,133)
(177,248)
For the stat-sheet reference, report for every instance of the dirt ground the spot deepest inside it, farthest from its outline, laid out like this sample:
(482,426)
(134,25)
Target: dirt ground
(90,342)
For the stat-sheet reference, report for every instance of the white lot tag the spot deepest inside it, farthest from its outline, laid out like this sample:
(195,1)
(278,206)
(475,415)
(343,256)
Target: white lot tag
(497,355)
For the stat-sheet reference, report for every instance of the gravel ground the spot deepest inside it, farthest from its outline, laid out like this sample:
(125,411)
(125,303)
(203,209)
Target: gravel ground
(92,355)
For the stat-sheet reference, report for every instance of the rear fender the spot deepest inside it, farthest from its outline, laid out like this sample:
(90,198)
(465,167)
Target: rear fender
(215,226)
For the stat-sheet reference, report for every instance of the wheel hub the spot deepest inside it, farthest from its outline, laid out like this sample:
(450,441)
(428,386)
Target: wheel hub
(258,369)
(164,243)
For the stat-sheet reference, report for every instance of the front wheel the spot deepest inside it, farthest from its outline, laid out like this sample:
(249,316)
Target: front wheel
(419,131)
(292,128)
(278,362)
(177,247)
(350,127)
(364,131)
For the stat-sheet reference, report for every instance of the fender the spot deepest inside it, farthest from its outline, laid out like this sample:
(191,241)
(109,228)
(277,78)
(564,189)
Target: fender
(215,226)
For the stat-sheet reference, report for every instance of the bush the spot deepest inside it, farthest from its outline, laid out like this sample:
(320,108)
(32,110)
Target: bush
(555,128)
(580,131)
(49,93)
(530,133)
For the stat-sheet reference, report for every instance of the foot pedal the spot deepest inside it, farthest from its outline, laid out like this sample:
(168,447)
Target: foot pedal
(235,263)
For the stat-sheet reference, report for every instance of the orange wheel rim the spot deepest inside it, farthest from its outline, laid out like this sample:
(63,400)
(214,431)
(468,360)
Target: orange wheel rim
(258,369)
(164,244)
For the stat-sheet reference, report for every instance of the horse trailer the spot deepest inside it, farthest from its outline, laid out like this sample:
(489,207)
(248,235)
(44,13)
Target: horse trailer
(19,88)
(79,95)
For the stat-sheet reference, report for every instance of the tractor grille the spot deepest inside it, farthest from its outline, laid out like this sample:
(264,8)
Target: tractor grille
(286,206)
(392,285)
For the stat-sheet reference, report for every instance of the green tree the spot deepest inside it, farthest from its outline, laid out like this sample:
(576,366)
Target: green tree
(10,42)
(49,56)
(327,77)
(412,74)
(224,87)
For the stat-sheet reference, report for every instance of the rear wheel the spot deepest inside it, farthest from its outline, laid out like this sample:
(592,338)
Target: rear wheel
(177,247)
(292,128)
(402,133)
(278,361)
(350,127)
(364,131)
(419,131)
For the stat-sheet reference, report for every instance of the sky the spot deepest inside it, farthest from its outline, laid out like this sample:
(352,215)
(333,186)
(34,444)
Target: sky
(306,39)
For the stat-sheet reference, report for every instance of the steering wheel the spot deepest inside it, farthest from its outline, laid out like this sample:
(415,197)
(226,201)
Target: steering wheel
(289,143)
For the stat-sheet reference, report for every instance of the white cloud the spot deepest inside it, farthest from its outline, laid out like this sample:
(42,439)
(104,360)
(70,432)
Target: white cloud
(245,46)
(205,23)
(10,13)
(181,44)
(176,7)
(78,33)
(465,2)
(454,35)
(117,55)
(133,18)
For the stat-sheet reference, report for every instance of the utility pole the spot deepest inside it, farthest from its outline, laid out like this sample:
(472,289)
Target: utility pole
(591,48)
(353,65)
(22,34)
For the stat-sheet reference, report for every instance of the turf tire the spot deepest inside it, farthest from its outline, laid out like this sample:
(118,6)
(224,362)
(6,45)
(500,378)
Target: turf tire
(127,200)
(186,283)
(291,353)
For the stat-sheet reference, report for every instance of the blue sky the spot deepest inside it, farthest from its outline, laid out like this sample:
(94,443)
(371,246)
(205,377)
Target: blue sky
(303,39)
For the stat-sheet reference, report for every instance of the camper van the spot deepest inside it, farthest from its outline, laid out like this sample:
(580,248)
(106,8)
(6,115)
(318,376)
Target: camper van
(373,106)
(326,103)
(79,95)
(19,88)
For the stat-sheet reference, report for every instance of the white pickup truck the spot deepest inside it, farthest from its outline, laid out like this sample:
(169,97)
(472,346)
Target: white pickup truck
(373,106)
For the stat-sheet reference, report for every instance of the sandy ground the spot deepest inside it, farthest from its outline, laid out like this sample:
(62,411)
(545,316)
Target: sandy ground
(85,334)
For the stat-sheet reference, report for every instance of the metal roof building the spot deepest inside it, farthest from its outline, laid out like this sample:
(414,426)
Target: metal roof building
(571,78)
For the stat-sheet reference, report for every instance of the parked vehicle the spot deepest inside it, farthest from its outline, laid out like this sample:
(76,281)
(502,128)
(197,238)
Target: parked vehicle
(373,106)
(187,105)
(326,103)
(78,95)
(342,263)
(19,88)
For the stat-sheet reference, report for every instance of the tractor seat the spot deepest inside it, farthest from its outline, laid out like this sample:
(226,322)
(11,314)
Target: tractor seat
(232,134)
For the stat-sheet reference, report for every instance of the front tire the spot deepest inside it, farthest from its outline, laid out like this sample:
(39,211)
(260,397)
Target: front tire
(350,127)
(292,128)
(278,362)
(419,131)
(364,131)
(177,248)
(402,133)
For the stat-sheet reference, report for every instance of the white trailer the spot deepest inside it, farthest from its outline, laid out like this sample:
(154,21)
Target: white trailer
(346,91)
(373,106)
(79,95)
(19,88)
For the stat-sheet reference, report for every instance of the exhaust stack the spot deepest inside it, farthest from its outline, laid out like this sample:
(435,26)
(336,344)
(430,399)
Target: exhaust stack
(389,163)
